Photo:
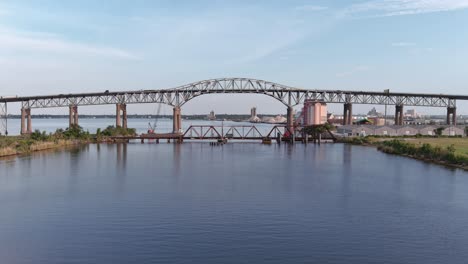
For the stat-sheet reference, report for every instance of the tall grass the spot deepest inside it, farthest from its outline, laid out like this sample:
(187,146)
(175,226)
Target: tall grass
(424,151)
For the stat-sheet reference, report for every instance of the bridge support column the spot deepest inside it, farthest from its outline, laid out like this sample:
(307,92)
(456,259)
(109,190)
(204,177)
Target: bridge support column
(290,119)
(399,115)
(121,115)
(73,116)
(26,122)
(348,114)
(176,120)
(23,117)
(451,116)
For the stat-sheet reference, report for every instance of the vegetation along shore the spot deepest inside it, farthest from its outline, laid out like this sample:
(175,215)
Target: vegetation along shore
(447,151)
(37,141)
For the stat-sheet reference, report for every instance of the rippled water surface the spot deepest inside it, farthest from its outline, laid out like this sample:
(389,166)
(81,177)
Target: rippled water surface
(237,203)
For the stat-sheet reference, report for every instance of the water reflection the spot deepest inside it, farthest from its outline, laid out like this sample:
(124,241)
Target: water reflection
(176,156)
(121,167)
(347,156)
(179,203)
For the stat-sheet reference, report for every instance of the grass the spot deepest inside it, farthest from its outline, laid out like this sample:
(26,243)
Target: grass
(448,151)
(460,144)
(37,141)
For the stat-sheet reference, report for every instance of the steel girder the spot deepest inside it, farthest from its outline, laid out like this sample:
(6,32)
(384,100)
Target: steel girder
(287,95)
(121,98)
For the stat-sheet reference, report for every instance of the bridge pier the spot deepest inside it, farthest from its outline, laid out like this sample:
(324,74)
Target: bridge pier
(73,116)
(121,115)
(26,122)
(399,115)
(290,120)
(348,114)
(451,116)
(176,120)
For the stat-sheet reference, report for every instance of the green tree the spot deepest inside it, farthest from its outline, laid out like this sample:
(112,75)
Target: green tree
(37,135)
(438,131)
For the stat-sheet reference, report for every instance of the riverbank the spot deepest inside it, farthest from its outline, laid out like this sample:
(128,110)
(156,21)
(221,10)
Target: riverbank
(21,146)
(451,152)
(39,141)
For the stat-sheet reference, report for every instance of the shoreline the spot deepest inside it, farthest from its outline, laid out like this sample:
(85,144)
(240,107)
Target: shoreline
(25,146)
(388,149)
(40,146)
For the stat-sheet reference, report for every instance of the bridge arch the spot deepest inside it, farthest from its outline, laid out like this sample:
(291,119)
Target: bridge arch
(280,92)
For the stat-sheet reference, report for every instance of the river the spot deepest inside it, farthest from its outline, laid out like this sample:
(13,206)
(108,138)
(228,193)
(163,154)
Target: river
(140,124)
(237,203)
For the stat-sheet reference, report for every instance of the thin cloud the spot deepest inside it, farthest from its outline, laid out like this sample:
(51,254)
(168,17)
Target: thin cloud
(386,8)
(403,44)
(357,69)
(45,42)
(312,8)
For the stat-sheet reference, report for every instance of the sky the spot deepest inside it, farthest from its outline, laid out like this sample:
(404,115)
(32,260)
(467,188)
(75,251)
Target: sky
(54,47)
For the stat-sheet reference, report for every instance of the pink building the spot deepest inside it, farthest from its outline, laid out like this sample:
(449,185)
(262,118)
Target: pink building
(314,113)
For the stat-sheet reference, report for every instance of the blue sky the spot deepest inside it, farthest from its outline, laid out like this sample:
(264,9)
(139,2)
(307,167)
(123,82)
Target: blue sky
(75,46)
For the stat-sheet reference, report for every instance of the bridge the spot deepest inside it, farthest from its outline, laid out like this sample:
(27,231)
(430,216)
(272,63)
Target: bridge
(178,96)
(223,133)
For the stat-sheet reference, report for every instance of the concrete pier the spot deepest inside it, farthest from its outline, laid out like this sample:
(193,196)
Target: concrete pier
(121,115)
(176,120)
(348,114)
(399,115)
(73,116)
(26,122)
(290,119)
(451,116)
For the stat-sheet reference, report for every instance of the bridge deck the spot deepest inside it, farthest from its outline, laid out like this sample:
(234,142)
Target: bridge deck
(287,95)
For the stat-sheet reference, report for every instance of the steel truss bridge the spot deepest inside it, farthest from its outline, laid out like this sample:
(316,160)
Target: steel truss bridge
(178,96)
(231,132)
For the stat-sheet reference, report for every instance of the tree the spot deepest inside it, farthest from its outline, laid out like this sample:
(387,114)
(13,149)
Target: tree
(438,131)
(317,130)
(39,136)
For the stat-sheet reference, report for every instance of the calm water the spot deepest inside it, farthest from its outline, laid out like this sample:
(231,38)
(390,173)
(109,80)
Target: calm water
(140,124)
(239,203)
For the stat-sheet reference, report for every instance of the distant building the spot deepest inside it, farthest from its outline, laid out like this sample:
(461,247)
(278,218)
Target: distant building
(412,113)
(279,119)
(406,130)
(314,113)
(253,116)
(373,113)
(212,115)
(377,121)
(427,130)
(453,131)
(385,131)
(253,112)
(353,130)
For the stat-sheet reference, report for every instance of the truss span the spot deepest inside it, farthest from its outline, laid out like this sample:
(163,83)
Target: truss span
(289,96)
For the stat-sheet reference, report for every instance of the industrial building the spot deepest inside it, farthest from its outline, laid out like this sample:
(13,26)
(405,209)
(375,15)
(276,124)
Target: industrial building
(407,130)
(314,113)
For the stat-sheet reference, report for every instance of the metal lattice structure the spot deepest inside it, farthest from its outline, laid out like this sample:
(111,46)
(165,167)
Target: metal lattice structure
(232,132)
(287,95)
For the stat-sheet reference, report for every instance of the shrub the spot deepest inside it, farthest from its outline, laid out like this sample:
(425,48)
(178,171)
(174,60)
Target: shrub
(438,131)
(39,136)
(426,151)
(112,131)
